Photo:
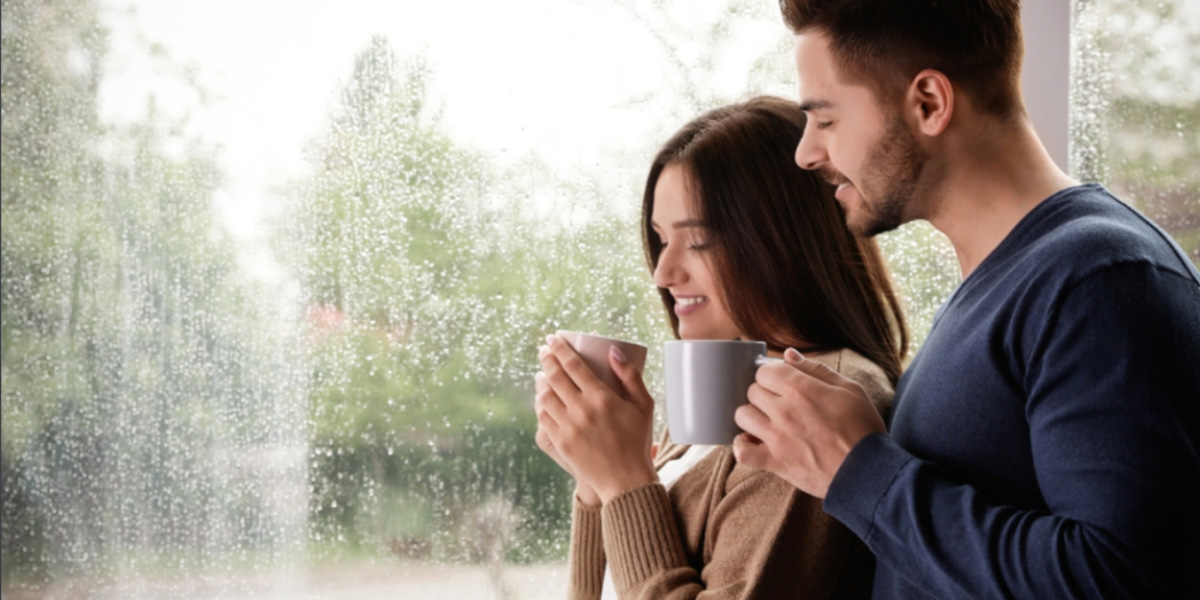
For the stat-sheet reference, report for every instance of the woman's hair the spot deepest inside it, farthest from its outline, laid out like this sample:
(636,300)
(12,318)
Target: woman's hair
(791,273)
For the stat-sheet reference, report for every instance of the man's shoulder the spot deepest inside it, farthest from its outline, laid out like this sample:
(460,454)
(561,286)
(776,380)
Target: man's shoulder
(1086,229)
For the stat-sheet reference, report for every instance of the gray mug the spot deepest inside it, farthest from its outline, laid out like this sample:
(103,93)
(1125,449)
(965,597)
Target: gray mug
(707,381)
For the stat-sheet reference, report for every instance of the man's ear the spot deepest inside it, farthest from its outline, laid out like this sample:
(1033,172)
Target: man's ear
(930,102)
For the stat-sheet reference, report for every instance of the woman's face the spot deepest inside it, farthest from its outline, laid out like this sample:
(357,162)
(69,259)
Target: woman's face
(683,268)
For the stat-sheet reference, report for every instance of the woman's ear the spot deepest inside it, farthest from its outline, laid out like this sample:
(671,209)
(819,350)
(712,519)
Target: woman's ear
(930,102)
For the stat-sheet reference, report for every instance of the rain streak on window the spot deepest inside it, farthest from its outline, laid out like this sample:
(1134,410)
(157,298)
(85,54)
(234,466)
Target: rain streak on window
(274,278)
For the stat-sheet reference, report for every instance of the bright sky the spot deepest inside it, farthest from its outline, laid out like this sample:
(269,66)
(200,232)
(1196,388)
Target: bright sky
(549,76)
(518,76)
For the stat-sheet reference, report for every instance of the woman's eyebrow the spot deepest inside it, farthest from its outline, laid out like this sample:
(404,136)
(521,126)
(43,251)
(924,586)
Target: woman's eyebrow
(688,223)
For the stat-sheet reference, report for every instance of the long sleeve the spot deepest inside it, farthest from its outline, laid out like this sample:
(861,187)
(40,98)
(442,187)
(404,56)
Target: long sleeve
(587,553)
(763,539)
(1112,414)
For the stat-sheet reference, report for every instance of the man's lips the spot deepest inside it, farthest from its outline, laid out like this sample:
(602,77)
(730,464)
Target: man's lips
(841,189)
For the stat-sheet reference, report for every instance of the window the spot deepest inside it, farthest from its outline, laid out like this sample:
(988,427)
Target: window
(274,275)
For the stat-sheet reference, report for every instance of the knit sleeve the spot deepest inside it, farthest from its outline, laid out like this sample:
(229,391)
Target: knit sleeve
(1113,413)
(767,540)
(587,553)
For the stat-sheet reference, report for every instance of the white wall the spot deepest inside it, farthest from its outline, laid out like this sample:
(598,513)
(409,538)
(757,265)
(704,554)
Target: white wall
(1046,76)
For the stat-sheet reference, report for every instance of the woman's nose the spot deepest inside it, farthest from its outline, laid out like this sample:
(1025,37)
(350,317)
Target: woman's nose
(667,272)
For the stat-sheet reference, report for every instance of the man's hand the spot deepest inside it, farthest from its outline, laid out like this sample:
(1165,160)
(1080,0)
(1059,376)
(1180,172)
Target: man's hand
(802,421)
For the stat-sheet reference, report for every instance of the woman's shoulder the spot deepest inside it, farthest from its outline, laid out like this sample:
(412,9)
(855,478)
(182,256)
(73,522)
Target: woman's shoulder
(859,368)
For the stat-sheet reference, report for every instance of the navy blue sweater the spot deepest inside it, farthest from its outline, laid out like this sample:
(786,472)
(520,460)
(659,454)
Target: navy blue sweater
(1045,441)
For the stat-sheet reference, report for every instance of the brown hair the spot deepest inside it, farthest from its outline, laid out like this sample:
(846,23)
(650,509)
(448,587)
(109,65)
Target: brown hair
(977,44)
(791,273)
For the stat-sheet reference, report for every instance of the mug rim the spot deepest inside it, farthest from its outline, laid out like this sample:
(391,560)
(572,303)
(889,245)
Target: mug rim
(715,342)
(606,338)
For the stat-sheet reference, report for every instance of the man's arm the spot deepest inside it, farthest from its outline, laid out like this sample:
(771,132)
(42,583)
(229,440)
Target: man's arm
(1114,414)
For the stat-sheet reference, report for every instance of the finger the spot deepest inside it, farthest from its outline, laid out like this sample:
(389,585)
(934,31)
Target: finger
(556,377)
(761,396)
(631,379)
(547,424)
(549,403)
(546,445)
(543,441)
(752,420)
(539,382)
(780,378)
(815,368)
(581,375)
(764,399)
(749,451)
(539,402)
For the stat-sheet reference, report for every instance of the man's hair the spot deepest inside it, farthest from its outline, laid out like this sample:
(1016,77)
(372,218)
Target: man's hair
(884,43)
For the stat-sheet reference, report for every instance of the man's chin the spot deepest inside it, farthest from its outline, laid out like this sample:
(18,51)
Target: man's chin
(865,224)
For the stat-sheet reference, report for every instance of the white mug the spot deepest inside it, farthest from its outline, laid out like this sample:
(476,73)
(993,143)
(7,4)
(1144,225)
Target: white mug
(707,381)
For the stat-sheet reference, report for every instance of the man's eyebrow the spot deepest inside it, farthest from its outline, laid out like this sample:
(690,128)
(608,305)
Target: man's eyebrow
(811,105)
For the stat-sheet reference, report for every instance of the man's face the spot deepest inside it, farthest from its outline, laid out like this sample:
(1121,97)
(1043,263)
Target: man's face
(857,144)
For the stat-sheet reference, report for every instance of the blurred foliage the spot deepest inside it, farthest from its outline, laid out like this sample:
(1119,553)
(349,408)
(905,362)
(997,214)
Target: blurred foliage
(427,288)
(1139,107)
(157,405)
(130,353)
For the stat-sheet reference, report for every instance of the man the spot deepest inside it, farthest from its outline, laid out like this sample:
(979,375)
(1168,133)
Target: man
(1045,440)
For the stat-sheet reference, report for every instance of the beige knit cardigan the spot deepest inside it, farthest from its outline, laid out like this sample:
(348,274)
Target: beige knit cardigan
(724,530)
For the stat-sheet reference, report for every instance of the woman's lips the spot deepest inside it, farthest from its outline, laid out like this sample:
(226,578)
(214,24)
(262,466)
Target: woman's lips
(686,305)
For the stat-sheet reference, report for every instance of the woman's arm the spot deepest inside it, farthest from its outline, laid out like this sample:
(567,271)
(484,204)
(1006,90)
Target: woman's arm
(587,553)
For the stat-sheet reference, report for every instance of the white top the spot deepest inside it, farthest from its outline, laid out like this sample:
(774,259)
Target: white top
(667,475)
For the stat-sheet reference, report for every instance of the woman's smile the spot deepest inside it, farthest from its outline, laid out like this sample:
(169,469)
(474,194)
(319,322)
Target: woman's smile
(686,305)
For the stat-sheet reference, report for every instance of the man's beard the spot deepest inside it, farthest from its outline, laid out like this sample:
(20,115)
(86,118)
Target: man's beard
(892,172)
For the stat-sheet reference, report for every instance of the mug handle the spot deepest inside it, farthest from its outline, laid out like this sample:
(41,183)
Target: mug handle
(765,360)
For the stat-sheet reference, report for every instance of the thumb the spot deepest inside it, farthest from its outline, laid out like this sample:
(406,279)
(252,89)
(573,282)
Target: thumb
(814,368)
(630,376)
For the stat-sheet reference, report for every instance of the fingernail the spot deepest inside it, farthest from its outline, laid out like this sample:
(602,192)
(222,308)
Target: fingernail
(616,353)
(542,350)
(550,340)
(793,355)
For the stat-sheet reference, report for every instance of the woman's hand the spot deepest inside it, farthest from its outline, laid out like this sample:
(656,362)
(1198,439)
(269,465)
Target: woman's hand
(602,435)
(586,494)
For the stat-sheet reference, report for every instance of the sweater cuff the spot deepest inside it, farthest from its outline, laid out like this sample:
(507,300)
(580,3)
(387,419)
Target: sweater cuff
(587,551)
(640,535)
(862,481)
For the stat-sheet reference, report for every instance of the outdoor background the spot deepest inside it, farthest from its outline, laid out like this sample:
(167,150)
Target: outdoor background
(275,273)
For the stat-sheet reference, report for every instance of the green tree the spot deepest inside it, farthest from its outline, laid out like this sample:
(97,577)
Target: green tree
(133,356)
(429,278)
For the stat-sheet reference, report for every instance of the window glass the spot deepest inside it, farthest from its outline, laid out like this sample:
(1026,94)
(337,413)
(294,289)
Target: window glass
(275,273)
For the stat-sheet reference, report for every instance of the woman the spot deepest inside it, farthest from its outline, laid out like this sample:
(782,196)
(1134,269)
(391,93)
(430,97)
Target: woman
(742,245)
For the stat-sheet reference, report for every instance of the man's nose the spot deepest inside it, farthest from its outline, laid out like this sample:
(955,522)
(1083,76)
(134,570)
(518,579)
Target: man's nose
(810,154)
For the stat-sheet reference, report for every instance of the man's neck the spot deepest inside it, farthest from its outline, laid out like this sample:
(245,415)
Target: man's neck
(992,179)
